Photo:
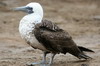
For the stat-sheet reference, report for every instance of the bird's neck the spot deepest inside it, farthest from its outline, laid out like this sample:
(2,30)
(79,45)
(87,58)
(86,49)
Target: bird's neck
(28,23)
(32,18)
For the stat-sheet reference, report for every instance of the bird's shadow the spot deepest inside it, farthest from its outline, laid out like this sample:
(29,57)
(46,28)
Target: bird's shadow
(79,61)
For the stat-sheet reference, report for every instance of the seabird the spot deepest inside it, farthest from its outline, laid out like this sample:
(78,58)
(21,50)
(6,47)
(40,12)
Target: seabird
(47,36)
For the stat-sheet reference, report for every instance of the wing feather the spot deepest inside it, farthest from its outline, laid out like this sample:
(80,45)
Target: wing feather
(53,38)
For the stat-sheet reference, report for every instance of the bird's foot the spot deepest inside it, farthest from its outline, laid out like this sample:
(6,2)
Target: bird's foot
(39,64)
(42,63)
(35,64)
(46,65)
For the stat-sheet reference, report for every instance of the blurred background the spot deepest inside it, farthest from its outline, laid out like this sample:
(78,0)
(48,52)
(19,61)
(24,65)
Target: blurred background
(81,18)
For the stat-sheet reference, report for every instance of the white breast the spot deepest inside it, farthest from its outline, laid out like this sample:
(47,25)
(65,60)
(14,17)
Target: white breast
(26,27)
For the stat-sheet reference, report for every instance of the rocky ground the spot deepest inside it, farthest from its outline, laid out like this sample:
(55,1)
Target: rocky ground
(81,18)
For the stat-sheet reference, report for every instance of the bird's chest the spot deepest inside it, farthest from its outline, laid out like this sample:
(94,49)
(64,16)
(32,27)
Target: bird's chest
(26,31)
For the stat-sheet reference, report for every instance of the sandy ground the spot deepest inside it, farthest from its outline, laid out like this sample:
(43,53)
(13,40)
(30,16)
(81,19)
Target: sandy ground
(81,18)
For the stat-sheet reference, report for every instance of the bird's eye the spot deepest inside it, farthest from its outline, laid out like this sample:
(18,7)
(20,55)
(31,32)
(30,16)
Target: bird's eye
(29,8)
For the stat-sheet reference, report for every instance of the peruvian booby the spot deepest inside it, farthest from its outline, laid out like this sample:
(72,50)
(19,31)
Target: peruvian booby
(47,36)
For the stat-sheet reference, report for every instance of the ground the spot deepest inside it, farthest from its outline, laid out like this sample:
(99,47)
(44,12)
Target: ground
(81,18)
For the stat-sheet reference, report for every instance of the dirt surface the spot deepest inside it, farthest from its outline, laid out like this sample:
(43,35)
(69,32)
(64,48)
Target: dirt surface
(81,18)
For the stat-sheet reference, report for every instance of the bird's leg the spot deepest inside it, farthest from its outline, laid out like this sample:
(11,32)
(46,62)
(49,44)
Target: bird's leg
(44,58)
(43,62)
(51,59)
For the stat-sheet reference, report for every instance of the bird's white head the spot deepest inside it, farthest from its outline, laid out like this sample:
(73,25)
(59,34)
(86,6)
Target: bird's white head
(31,8)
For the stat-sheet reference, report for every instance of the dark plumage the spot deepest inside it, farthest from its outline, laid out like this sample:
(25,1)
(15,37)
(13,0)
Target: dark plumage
(56,40)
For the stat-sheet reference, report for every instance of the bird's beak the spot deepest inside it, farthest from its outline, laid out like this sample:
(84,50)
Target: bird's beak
(23,8)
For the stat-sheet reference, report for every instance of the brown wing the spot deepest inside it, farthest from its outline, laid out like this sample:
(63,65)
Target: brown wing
(55,39)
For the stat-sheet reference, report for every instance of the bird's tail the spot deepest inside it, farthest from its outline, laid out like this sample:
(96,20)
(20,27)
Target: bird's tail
(85,49)
(82,55)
